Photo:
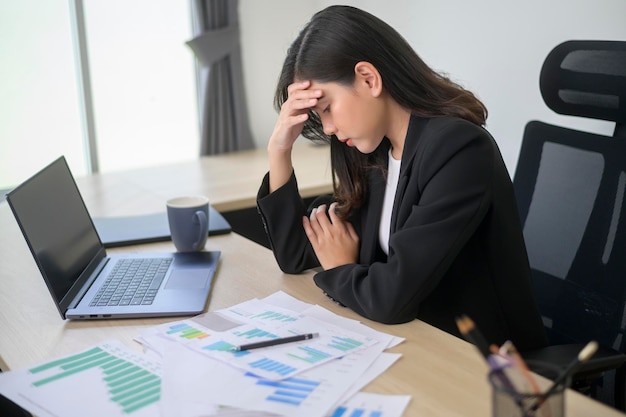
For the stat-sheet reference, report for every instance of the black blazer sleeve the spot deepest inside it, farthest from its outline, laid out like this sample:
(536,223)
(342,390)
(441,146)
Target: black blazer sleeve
(281,213)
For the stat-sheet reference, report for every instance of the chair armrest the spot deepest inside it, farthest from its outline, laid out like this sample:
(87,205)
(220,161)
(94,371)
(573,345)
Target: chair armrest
(560,356)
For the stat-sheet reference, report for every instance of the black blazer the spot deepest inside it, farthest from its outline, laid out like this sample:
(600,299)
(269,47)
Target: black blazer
(456,244)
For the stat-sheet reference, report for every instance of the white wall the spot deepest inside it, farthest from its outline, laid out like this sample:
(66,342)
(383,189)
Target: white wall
(493,47)
(267,29)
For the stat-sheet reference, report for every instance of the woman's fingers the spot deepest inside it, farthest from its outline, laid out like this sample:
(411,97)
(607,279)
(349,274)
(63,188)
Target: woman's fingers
(334,241)
(293,114)
(301,99)
(327,222)
(302,85)
(317,215)
(306,223)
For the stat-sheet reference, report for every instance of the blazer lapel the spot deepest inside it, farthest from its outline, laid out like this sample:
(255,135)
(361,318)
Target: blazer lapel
(371,217)
(411,142)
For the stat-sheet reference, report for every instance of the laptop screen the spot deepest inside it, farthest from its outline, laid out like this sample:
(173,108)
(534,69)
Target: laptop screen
(57,227)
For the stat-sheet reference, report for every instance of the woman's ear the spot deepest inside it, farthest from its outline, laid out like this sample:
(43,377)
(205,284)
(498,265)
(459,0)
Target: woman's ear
(368,77)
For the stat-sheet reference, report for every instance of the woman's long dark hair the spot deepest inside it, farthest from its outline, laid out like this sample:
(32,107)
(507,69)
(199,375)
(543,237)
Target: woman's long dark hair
(327,50)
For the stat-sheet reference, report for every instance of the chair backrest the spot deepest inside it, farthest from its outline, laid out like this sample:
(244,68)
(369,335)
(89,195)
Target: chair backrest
(587,79)
(571,192)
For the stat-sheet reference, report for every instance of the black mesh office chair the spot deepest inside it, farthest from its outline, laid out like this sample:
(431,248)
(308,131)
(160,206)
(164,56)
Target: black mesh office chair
(571,191)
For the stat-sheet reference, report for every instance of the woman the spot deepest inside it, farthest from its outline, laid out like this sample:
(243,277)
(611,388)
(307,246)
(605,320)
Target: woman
(423,221)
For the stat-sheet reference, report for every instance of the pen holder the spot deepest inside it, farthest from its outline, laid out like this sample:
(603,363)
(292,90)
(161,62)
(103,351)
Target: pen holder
(515,399)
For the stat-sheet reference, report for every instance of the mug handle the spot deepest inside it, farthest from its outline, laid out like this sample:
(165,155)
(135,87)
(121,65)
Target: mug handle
(204,227)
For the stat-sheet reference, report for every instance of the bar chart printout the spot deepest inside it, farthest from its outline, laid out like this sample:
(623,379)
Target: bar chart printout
(105,380)
(284,360)
(365,404)
(292,391)
(186,331)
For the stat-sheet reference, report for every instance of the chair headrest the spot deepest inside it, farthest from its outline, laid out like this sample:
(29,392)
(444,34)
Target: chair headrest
(586,78)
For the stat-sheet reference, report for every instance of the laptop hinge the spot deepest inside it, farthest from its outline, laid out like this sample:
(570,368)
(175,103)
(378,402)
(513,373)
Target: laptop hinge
(84,282)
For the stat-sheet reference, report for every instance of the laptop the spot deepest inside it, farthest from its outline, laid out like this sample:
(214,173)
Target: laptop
(79,273)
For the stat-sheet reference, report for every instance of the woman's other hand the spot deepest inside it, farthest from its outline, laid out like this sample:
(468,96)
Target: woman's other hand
(334,241)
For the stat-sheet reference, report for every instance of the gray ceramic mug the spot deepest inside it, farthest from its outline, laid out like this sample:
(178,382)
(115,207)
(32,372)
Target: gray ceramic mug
(188,218)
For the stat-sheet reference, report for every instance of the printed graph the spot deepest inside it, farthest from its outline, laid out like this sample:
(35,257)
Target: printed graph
(310,354)
(344,344)
(107,379)
(290,391)
(255,333)
(273,366)
(284,360)
(260,322)
(186,331)
(367,404)
(222,346)
(274,316)
(355,412)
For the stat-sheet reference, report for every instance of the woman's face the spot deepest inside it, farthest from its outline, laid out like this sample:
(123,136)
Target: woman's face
(352,114)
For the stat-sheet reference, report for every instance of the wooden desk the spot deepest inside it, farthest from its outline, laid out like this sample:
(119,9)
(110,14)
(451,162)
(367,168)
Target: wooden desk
(230,181)
(444,375)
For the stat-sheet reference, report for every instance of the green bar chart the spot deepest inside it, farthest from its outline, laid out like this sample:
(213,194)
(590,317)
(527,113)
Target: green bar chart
(274,316)
(106,380)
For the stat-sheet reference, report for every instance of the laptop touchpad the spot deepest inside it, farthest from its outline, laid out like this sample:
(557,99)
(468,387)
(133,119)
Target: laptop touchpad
(192,278)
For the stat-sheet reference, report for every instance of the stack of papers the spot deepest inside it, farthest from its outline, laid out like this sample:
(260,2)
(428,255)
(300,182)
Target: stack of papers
(190,369)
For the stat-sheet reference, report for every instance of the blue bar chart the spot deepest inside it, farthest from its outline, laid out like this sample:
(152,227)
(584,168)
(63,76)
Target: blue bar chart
(273,366)
(355,412)
(366,404)
(290,391)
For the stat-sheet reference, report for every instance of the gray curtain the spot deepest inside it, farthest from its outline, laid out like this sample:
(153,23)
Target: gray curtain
(223,113)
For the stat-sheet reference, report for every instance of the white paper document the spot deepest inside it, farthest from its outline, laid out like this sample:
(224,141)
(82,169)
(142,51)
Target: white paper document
(105,380)
(314,387)
(255,321)
(192,380)
(188,369)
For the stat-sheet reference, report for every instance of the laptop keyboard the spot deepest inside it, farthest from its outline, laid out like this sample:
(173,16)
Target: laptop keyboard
(132,282)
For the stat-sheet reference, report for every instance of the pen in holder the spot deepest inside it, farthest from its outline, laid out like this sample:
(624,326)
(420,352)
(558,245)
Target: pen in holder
(515,392)
(508,400)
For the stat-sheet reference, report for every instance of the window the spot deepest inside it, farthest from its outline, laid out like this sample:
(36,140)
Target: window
(142,85)
(39,113)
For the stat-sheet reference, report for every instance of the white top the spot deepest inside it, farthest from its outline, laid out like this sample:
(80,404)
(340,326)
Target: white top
(393,175)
